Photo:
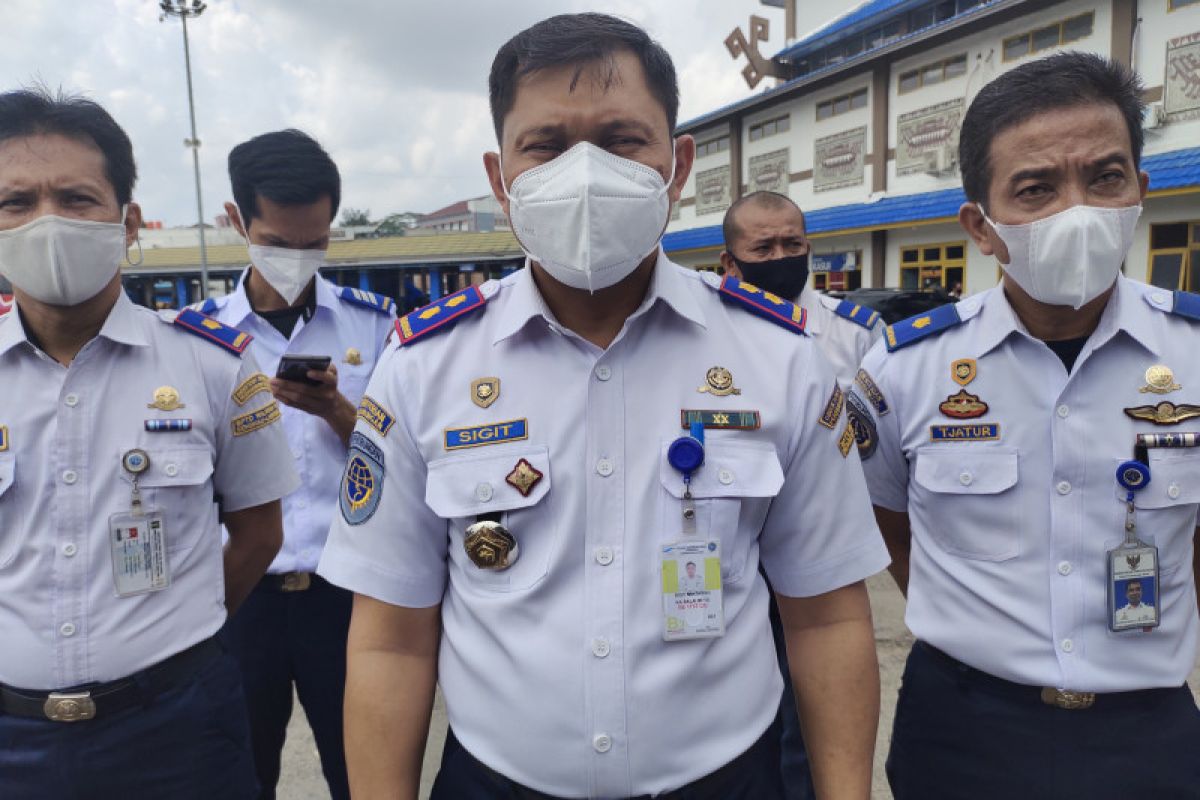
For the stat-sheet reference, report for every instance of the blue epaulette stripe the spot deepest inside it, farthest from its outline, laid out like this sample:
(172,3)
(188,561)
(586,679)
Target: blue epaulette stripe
(918,327)
(218,333)
(782,312)
(1187,304)
(361,297)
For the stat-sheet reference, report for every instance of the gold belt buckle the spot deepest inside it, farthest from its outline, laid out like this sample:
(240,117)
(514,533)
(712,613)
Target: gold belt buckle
(1072,701)
(69,707)
(296,581)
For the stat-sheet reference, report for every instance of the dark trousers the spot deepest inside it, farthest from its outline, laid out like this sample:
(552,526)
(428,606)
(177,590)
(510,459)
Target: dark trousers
(285,638)
(960,733)
(793,757)
(753,775)
(189,742)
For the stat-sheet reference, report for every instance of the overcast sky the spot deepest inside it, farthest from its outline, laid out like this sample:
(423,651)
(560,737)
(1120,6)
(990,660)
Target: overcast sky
(396,90)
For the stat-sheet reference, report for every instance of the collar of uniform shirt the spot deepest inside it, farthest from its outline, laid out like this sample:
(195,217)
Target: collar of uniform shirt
(120,326)
(667,284)
(239,307)
(808,299)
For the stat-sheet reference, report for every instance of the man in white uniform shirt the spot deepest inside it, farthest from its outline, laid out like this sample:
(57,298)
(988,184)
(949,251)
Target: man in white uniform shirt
(291,633)
(123,434)
(511,522)
(991,432)
(1134,609)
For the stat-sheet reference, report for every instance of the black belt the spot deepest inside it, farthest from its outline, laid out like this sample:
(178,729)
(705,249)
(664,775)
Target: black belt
(90,700)
(289,581)
(709,783)
(1060,698)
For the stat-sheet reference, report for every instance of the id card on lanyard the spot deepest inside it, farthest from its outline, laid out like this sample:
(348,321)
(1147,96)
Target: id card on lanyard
(138,539)
(1132,566)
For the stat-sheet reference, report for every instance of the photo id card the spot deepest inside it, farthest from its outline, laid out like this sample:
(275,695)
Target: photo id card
(691,590)
(1133,587)
(139,553)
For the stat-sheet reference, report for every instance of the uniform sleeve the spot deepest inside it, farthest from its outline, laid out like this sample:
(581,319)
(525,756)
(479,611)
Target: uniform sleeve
(870,407)
(254,462)
(820,533)
(385,541)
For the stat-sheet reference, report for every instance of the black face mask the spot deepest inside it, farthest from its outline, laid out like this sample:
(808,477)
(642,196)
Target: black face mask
(780,276)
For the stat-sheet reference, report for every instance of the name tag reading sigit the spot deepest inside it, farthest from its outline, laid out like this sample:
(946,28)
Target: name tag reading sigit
(492,433)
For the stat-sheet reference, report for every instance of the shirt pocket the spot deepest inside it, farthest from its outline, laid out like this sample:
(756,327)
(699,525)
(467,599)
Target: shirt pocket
(971,490)
(731,493)
(177,484)
(1167,507)
(10,514)
(460,488)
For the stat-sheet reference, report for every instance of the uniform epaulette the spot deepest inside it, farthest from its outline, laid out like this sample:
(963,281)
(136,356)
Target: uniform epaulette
(764,304)
(440,314)
(1187,305)
(218,333)
(863,315)
(918,327)
(361,297)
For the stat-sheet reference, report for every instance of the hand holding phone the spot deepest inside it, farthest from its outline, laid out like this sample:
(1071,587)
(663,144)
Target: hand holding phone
(295,367)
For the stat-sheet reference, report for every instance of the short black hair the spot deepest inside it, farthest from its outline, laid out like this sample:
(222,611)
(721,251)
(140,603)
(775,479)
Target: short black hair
(286,167)
(35,111)
(583,40)
(762,199)
(1063,80)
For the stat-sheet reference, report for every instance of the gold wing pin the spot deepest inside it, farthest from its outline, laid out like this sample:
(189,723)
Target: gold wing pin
(1165,413)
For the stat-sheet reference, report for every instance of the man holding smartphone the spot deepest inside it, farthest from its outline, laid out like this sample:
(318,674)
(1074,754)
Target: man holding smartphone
(320,341)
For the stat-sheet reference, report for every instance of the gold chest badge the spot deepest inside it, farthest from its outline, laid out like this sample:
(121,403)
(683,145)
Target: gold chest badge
(166,398)
(1160,380)
(719,381)
(485,391)
(353,357)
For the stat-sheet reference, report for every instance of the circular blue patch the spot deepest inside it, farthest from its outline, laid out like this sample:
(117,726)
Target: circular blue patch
(685,454)
(1133,475)
(362,482)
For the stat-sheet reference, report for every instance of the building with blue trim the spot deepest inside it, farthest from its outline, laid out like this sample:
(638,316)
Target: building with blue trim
(861,131)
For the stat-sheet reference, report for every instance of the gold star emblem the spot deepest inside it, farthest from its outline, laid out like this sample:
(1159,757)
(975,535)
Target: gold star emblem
(921,323)
(166,398)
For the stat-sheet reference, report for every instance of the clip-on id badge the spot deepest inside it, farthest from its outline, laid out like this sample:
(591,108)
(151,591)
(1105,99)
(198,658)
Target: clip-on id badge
(1133,565)
(138,539)
(693,607)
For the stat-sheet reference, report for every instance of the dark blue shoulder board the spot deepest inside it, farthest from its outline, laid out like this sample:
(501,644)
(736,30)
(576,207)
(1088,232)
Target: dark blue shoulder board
(1187,305)
(230,338)
(863,315)
(371,300)
(763,304)
(439,314)
(916,328)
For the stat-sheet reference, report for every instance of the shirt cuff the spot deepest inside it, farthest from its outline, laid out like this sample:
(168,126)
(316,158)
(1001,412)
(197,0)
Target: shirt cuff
(819,577)
(368,577)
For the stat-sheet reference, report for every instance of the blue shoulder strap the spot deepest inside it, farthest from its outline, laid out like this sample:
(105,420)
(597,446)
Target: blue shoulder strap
(863,315)
(763,304)
(1187,305)
(361,297)
(916,328)
(438,315)
(218,333)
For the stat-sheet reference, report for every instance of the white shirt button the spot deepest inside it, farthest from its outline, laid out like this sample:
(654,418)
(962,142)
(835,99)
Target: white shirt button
(604,467)
(603,372)
(601,743)
(1063,487)
(72,400)
(1064,568)
(1173,491)
(69,549)
(1063,411)
(171,469)
(67,629)
(725,477)
(604,556)
(70,476)
(965,479)
(483,492)
(1067,645)
(600,648)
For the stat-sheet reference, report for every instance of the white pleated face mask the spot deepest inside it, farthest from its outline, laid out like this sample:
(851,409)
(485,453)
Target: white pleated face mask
(1069,258)
(61,261)
(589,217)
(287,270)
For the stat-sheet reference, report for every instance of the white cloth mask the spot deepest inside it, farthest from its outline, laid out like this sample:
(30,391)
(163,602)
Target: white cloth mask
(589,217)
(287,270)
(61,261)
(1069,258)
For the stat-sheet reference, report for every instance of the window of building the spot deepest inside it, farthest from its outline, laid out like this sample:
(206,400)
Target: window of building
(930,266)
(1053,35)
(1174,4)
(933,73)
(712,146)
(843,274)
(839,105)
(1175,256)
(770,127)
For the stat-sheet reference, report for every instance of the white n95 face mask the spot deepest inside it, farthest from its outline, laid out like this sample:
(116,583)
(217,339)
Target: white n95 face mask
(61,261)
(287,270)
(1069,258)
(589,217)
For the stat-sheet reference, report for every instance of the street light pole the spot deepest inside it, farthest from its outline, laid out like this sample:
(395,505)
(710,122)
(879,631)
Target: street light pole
(184,9)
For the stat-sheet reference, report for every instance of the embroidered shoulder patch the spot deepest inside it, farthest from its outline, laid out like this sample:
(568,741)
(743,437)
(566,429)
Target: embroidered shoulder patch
(256,383)
(916,328)
(362,482)
(375,415)
(218,333)
(441,314)
(873,392)
(863,315)
(763,304)
(833,408)
(371,300)
(259,418)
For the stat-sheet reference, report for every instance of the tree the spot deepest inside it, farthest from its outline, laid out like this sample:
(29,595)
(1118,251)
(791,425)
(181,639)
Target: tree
(355,216)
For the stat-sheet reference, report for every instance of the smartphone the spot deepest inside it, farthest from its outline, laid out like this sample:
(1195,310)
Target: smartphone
(295,367)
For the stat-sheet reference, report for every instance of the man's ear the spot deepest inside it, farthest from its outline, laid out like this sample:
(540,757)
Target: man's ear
(235,219)
(972,221)
(491,165)
(133,223)
(685,156)
(731,267)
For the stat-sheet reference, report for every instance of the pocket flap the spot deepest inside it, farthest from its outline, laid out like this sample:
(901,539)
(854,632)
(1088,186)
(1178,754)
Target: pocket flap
(730,469)
(176,466)
(964,469)
(463,486)
(1174,479)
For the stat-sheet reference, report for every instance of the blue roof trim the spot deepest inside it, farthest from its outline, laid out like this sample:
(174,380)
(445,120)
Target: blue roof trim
(857,20)
(1172,170)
